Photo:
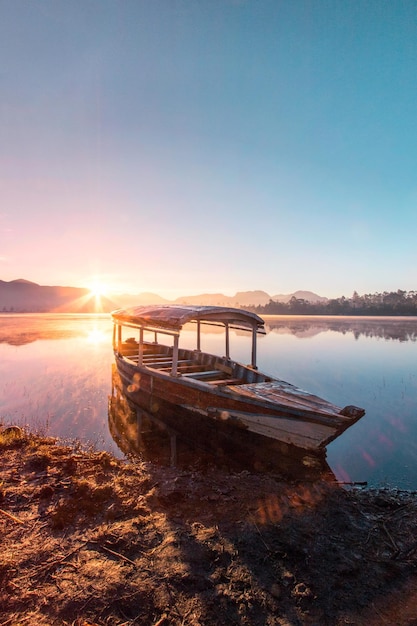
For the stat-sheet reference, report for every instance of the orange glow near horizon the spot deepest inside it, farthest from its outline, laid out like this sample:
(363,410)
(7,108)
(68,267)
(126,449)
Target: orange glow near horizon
(92,302)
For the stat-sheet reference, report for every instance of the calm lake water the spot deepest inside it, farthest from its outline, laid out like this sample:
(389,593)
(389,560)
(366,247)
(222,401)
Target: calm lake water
(56,377)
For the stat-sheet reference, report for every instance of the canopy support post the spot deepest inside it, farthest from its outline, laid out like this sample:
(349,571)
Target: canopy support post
(198,336)
(175,356)
(253,364)
(140,355)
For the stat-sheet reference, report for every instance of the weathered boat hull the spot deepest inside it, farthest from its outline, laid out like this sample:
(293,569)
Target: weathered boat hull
(304,421)
(214,442)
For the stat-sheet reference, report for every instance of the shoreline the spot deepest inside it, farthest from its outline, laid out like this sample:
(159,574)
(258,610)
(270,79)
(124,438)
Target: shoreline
(88,539)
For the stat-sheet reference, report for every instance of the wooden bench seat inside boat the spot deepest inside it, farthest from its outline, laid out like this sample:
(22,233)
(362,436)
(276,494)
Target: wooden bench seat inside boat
(201,374)
(216,374)
(222,382)
(148,357)
(147,360)
(167,364)
(182,366)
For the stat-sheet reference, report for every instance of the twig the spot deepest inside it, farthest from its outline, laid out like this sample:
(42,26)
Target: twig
(355,483)
(400,511)
(52,564)
(379,613)
(64,558)
(259,532)
(185,617)
(394,545)
(114,553)
(67,556)
(118,555)
(12,517)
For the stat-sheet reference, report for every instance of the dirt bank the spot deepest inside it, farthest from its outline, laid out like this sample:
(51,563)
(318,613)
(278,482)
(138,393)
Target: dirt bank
(86,539)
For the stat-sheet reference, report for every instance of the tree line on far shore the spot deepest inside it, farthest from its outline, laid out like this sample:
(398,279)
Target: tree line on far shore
(387,303)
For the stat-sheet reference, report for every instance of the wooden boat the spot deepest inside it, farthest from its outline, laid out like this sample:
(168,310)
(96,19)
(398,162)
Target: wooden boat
(160,375)
(166,438)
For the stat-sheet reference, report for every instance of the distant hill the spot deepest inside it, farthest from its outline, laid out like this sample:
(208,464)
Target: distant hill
(309,296)
(241,298)
(23,282)
(127,300)
(247,298)
(24,296)
(216,299)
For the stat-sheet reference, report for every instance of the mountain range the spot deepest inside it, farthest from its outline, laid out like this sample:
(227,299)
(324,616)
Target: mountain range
(25,296)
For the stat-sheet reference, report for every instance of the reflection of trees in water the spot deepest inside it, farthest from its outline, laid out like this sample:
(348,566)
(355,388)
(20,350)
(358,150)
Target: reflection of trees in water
(21,338)
(21,330)
(381,328)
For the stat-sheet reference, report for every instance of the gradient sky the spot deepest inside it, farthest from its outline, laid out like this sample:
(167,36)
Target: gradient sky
(194,146)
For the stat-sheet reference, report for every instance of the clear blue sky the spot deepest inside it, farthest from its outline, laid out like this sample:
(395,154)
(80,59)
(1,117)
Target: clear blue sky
(195,146)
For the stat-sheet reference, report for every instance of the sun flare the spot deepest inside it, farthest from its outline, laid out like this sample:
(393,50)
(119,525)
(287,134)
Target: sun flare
(98,289)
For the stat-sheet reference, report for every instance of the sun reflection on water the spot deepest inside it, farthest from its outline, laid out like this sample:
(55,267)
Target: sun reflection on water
(96,336)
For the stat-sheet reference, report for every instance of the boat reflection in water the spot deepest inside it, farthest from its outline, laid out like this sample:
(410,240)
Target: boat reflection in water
(164,437)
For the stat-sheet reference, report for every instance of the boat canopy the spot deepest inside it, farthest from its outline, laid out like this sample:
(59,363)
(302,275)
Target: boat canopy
(174,316)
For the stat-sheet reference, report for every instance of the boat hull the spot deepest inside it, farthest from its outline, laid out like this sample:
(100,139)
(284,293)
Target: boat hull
(217,443)
(305,423)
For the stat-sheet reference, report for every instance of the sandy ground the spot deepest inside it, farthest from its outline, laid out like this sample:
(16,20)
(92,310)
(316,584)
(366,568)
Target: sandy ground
(86,540)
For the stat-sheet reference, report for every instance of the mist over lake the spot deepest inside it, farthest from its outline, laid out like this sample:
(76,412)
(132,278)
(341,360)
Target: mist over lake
(56,377)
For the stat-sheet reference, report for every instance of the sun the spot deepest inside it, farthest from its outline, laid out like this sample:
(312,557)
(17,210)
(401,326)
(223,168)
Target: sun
(98,289)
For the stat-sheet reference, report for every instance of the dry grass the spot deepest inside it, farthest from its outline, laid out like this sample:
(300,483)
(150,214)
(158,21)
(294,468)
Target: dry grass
(86,540)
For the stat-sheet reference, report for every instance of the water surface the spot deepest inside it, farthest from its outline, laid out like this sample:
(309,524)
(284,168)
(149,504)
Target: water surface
(56,374)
